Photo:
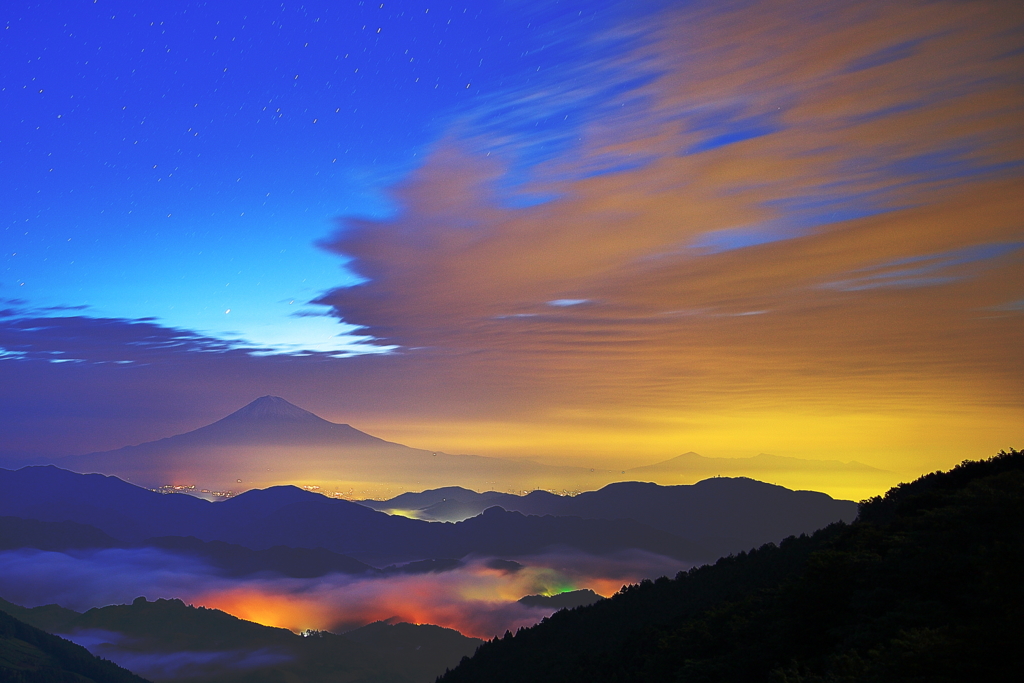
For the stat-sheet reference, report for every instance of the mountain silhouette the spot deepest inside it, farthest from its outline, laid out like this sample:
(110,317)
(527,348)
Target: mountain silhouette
(288,516)
(847,478)
(271,419)
(722,514)
(268,408)
(923,586)
(49,618)
(695,523)
(271,441)
(16,532)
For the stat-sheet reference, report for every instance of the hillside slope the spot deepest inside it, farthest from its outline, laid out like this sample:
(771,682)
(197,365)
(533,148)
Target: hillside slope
(924,586)
(169,641)
(28,655)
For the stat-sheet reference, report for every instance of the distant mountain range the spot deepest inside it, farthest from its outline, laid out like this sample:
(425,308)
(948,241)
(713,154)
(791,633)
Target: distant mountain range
(851,479)
(690,523)
(168,640)
(271,441)
(263,519)
(722,514)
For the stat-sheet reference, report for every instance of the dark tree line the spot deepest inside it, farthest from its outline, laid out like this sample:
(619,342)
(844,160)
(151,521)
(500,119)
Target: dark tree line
(924,586)
(29,655)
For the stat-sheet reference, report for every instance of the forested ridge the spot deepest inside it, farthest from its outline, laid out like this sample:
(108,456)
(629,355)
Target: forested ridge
(29,655)
(218,647)
(924,586)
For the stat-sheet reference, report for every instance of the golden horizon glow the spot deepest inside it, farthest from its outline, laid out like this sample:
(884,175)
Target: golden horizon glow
(806,242)
(842,283)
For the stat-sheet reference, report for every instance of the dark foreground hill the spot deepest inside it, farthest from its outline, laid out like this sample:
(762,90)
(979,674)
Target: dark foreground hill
(29,655)
(170,641)
(924,586)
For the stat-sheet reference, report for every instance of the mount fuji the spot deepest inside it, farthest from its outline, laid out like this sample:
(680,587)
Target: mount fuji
(271,441)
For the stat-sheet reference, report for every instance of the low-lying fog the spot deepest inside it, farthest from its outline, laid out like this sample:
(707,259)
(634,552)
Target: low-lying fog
(478,597)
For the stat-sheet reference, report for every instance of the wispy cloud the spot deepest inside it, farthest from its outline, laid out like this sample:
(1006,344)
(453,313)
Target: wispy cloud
(828,147)
(53,336)
(926,270)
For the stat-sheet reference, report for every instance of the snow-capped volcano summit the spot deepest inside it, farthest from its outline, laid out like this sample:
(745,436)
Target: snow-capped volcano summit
(270,408)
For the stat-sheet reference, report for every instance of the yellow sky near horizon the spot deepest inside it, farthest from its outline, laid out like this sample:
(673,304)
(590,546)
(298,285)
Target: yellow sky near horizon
(797,229)
(839,280)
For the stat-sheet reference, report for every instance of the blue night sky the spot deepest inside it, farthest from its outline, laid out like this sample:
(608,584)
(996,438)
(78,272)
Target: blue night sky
(598,231)
(179,160)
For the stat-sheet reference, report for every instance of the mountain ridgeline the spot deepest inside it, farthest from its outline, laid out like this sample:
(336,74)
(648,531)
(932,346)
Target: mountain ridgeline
(30,655)
(271,441)
(695,523)
(924,586)
(723,514)
(169,640)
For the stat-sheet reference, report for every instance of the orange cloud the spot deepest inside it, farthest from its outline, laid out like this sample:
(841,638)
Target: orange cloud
(472,599)
(820,236)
